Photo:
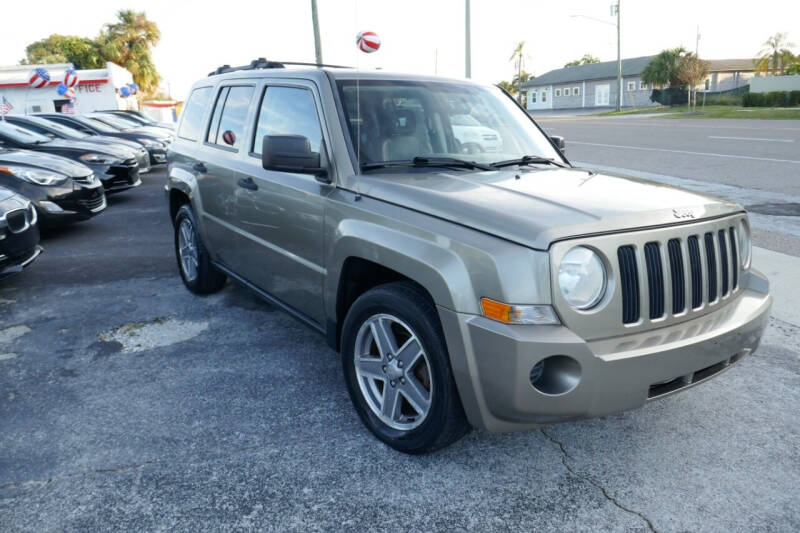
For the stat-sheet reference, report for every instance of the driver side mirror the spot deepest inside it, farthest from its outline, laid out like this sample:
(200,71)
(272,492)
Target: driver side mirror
(292,153)
(558,140)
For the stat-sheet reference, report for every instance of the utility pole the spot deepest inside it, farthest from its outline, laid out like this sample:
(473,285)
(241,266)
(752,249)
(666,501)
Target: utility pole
(619,63)
(315,23)
(467,47)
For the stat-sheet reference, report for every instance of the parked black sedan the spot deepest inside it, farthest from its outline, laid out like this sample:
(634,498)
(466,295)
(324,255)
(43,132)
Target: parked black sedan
(116,168)
(119,120)
(141,118)
(156,148)
(54,130)
(19,233)
(62,191)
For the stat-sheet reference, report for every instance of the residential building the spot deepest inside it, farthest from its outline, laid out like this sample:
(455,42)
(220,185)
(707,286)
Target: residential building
(595,85)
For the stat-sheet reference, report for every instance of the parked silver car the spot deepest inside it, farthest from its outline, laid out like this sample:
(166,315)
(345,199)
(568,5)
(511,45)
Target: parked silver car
(497,289)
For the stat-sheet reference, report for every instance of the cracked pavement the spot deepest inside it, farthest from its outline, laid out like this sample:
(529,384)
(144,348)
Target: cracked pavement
(246,423)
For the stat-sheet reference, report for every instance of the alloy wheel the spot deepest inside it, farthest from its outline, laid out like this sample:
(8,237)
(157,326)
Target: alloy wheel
(393,372)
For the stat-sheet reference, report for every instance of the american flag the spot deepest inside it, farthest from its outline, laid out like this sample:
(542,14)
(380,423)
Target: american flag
(5,107)
(68,108)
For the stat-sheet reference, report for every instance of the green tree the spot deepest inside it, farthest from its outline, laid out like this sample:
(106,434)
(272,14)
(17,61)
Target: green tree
(128,42)
(82,52)
(693,70)
(587,59)
(508,86)
(665,68)
(776,55)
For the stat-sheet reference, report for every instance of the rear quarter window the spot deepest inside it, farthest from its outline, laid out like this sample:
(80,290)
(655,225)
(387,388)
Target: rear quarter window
(192,123)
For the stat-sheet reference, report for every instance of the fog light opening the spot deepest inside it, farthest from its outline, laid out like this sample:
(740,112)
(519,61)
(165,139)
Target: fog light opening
(557,374)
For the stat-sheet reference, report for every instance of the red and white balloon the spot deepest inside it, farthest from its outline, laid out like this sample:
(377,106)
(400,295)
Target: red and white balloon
(368,41)
(38,78)
(70,77)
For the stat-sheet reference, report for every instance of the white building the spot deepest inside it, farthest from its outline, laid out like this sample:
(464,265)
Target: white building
(97,89)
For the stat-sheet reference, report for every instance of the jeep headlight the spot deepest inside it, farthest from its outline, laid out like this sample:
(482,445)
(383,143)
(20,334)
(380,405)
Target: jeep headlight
(34,175)
(582,278)
(98,158)
(745,245)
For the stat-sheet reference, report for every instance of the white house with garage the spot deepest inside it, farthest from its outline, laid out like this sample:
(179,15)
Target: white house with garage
(595,85)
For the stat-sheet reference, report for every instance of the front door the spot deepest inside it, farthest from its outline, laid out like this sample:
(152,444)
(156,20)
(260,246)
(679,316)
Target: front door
(601,94)
(282,213)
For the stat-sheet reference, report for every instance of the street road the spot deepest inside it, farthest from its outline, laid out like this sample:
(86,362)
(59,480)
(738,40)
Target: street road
(129,404)
(753,162)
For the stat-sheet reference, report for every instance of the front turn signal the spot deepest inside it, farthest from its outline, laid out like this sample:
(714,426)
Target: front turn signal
(518,314)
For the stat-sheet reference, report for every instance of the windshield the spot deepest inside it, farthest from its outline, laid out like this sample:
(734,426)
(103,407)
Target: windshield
(114,119)
(21,135)
(99,125)
(400,120)
(55,126)
(114,122)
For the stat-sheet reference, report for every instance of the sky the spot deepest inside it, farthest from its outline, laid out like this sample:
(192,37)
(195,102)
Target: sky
(418,36)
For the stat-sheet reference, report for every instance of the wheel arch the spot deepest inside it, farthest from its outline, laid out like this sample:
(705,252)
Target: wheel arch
(366,255)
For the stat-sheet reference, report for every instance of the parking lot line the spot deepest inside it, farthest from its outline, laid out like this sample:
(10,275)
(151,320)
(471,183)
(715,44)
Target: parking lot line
(688,152)
(751,139)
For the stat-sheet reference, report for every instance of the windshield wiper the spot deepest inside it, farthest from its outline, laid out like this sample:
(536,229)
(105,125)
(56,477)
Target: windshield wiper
(529,160)
(424,161)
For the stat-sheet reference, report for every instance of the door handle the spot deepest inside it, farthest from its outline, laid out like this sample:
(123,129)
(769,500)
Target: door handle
(199,167)
(247,183)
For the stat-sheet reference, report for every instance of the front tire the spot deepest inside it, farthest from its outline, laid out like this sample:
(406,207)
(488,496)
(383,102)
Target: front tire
(398,372)
(194,263)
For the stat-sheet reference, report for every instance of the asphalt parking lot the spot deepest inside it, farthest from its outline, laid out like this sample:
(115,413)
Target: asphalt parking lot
(126,403)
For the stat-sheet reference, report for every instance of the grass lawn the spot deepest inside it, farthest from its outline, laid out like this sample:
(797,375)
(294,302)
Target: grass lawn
(715,111)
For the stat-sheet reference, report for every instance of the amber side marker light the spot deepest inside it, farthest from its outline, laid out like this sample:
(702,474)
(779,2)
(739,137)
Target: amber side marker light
(518,314)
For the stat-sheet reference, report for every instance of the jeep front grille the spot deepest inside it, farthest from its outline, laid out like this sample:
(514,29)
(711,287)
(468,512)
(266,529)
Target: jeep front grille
(721,264)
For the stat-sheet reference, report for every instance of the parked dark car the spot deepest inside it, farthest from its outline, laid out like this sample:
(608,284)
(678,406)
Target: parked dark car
(156,148)
(62,191)
(139,118)
(127,124)
(19,233)
(54,130)
(116,168)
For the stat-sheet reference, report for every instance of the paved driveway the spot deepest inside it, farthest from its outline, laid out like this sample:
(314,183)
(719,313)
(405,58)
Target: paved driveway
(127,403)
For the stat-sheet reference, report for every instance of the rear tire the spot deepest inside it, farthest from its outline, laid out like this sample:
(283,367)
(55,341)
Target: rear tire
(194,263)
(403,392)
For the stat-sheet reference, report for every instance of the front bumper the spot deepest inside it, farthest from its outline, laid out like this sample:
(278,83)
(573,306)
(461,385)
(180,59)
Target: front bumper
(81,203)
(492,362)
(18,250)
(121,177)
(15,264)
(158,156)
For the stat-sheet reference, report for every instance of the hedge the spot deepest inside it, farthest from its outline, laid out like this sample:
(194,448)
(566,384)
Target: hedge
(772,99)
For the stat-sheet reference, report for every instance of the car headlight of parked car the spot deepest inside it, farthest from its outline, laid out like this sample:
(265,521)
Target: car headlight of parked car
(582,278)
(35,176)
(99,158)
(745,245)
(149,143)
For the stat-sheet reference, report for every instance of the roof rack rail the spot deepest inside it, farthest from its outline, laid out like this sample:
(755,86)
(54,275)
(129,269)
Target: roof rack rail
(262,63)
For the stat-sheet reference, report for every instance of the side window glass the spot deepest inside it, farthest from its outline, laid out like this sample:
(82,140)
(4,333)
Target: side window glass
(288,111)
(213,128)
(191,125)
(227,126)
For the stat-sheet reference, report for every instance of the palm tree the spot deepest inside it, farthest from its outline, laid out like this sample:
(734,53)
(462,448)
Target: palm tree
(127,43)
(519,56)
(775,55)
(665,68)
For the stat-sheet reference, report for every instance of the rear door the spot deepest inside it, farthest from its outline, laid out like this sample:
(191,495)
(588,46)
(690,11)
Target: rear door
(217,170)
(281,212)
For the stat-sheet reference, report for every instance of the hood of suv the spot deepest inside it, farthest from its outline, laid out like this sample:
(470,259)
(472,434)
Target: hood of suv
(45,161)
(538,207)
